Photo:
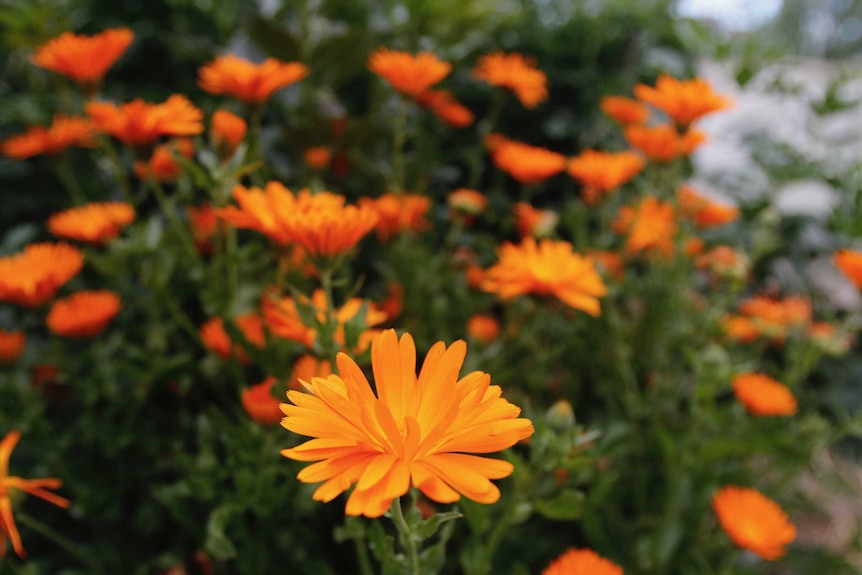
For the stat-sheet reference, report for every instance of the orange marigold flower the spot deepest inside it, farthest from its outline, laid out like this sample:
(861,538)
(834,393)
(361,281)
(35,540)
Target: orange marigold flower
(740,328)
(516,73)
(205,226)
(407,73)
(33,276)
(773,317)
(683,100)
(650,226)
(260,404)
(527,164)
(94,223)
(610,263)
(533,222)
(850,264)
(399,213)
(252,83)
(547,268)
(416,430)
(12,344)
(163,165)
(704,212)
(762,395)
(63,132)
(84,59)
(725,262)
(83,314)
(753,521)
(393,304)
(140,123)
(307,367)
(483,328)
(227,131)
(600,172)
(446,107)
(216,339)
(467,201)
(693,246)
(663,143)
(37,487)
(582,562)
(474,275)
(317,157)
(624,110)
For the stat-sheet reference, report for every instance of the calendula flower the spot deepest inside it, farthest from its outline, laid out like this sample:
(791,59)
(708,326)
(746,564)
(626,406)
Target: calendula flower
(582,562)
(850,264)
(326,230)
(252,83)
(317,157)
(774,318)
(704,212)
(483,328)
(36,487)
(516,73)
(753,521)
(527,164)
(205,226)
(163,165)
(409,74)
(32,277)
(650,226)
(84,59)
(260,404)
(534,222)
(416,430)
(83,314)
(469,201)
(216,339)
(12,344)
(94,223)
(63,132)
(683,100)
(446,107)
(227,131)
(600,171)
(140,123)
(398,213)
(725,262)
(663,143)
(546,268)
(623,110)
(762,395)
(307,367)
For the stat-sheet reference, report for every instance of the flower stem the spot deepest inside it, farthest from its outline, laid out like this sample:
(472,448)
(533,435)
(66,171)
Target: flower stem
(408,538)
(169,209)
(365,567)
(61,540)
(116,167)
(64,172)
(327,336)
(399,138)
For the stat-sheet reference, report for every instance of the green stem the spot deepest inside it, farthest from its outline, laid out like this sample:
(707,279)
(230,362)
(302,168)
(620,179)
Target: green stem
(408,538)
(61,540)
(116,167)
(365,567)
(399,138)
(327,335)
(64,172)
(253,153)
(170,211)
(485,127)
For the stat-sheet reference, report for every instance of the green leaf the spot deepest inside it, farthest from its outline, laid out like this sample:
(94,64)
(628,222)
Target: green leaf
(429,527)
(567,505)
(216,542)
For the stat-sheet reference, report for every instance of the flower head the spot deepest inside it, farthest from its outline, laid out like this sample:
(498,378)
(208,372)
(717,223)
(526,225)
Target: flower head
(36,487)
(399,213)
(582,562)
(204,224)
(683,100)
(415,430)
(33,276)
(704,212)
(850,264)
(307,367)
(260,404)
(446,107)
(164,165)
(84,59)
(534,222)
(547,268)
(663,143)
(252,83)
(623,110)
(483,328)
(468,201)
(216,339)
(63,132)
(753,521)
(12,344)
(94,223)
(516,73)
(772,318)
(83,314)
(527,164)
(140,123)
(317,157)
(227,131)
(407,73)
(762,395)
(650,226)
(600,172)
(725,262)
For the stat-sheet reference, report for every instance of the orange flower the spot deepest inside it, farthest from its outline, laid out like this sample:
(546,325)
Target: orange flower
(828,339)
(12,344)
(467,201)
(83,314)
(762,395)
(516,73)
(416,430)
(610,263)
(483,328)
(702,211)
(533,222)
(252,83)
(753,521)
(663,143)
(227,131)
(774,318)
(547,268)
(260,404)
(527,164)
(600,172)
(740,328)
(63,132)
(683,100)
(399,213)
(163,165)
(650,226)
(725,262)
(582,562)
(318,157)
(446,107)
(216,339)
(850,264)
(94,223)
(32,277)
(37,487)
(623,110)
(307,367)
(204,225)
(139,123)
(408,74)
(474,275)
(393,304)
(84,59)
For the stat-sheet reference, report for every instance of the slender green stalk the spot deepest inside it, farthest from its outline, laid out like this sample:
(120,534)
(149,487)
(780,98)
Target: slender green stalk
(170,211)
(485,127)
(253,153)
(407,537)
(399,138)
(327,335)
(61,540)
(365,566)
(64,172)
(117,170)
